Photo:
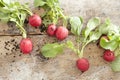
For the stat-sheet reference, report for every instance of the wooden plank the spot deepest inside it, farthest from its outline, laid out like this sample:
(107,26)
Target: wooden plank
(84,8)
(11,29)
(16,66)
(63,66)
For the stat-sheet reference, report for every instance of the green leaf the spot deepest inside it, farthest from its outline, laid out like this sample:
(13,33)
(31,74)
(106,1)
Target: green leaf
(91,25)
(2,3)
(22,17)
(107,28)
(94,35)
(115,37)
(103,28)
(113,29)
(4,17)
(39,3)
(51,50)
(76,25)
(52,11)
(115,65)
(4,10)
(108,44)
(70,44)
(14,11)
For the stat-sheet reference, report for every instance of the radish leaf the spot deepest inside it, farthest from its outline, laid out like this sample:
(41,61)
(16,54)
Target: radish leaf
(115,64)
(52,11)
(91,25)
(107,28)
(39,3)
(108,44)
(51,50)
(76,25)
(15,12)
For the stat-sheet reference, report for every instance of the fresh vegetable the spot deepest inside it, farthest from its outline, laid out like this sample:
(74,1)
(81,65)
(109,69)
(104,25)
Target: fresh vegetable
(76,25)
(89,34)
(82,64)
(91,25)
(56,49)
(112,33)
(76,28)
(109,56)
(52,11)
(51,30)
(15,12)
(112,43)
(107,28)
(26,46)
(93,36)
(61,33)
(35,20)
(109,44)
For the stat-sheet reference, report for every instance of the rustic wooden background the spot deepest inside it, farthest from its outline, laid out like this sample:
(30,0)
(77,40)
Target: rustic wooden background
(16,66)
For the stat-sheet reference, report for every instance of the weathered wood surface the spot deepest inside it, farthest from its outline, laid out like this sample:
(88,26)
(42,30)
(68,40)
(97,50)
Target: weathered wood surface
(85,8)
(16,66)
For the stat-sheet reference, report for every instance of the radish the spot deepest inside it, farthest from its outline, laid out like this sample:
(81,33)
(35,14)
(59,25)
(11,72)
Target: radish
(51,30)
(109,55)
(61,33)
(82,64)
(26,45)
(35,20)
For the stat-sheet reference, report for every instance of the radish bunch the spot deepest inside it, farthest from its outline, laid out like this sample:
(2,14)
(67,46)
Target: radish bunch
(53,13)
(108,54)
(60,32)
(26,45)
(17,13)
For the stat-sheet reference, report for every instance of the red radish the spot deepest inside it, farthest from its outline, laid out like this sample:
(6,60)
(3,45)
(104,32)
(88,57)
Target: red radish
(51,30)
(61,33)
(108,55)
(26,45)
(82,64)
(35,20)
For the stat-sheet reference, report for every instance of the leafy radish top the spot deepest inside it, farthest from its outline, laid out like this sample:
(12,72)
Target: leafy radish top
(15,12)
(91,33)
(52,11)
